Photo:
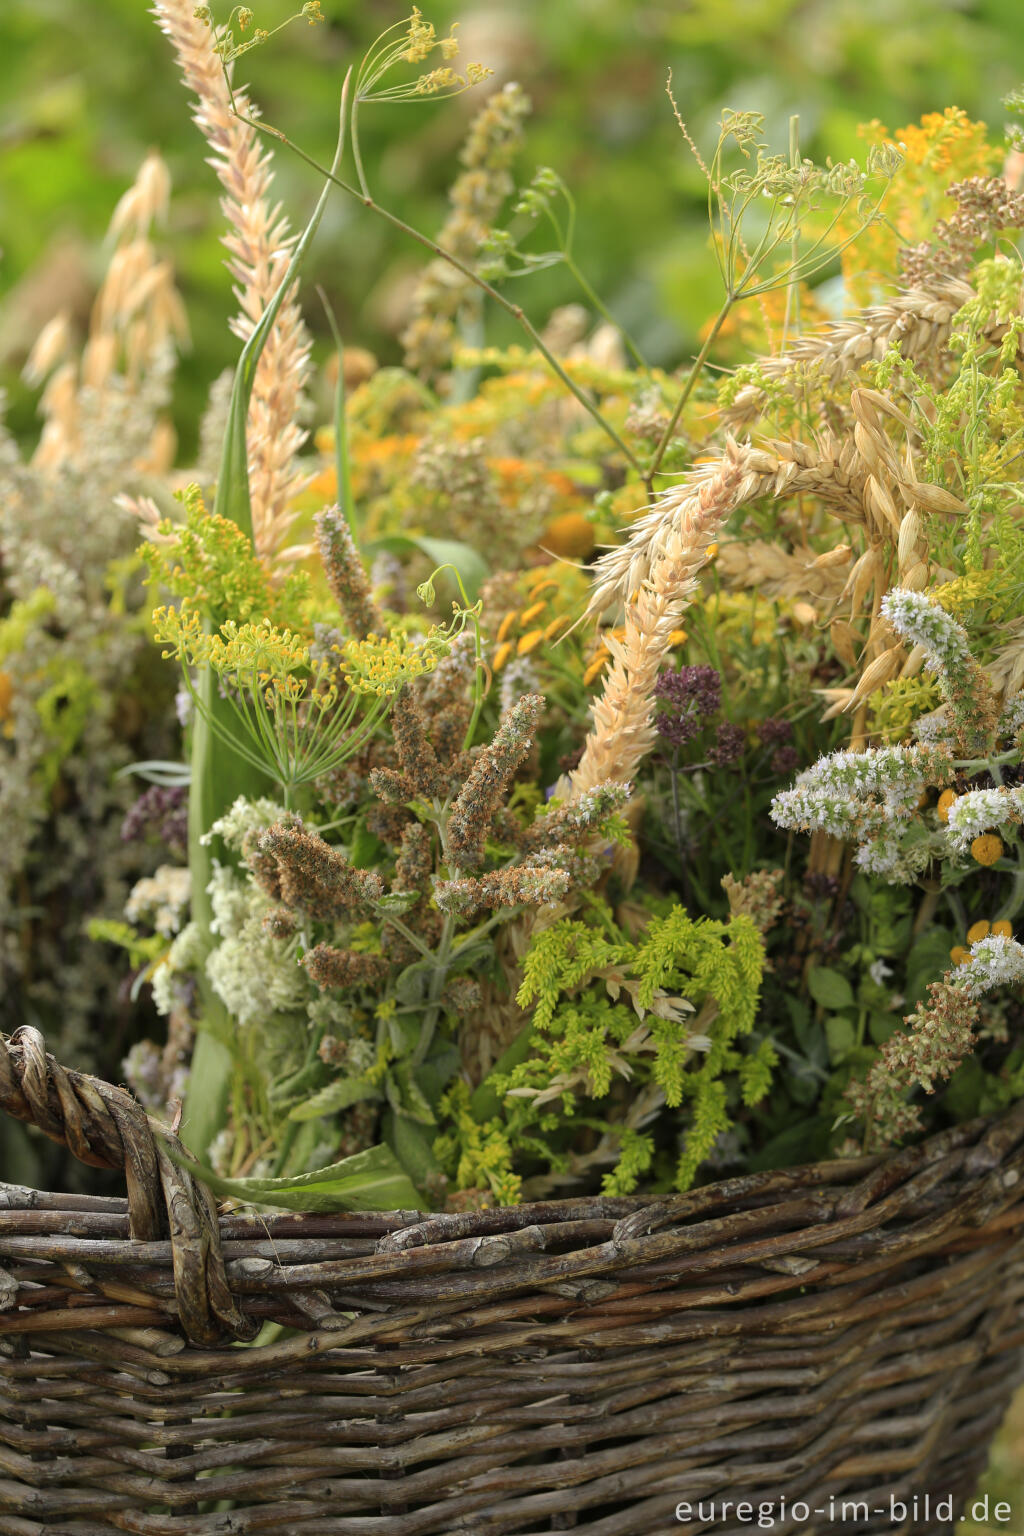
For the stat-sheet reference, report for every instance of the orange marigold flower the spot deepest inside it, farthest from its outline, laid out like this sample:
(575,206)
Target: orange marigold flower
(1003,929)
(959,955)
(529,642)
(594,668)
(978,931)
(569,535)
(987,848)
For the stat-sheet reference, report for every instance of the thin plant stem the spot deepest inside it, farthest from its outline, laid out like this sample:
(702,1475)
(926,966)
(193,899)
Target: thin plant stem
(687,390)
(515,310)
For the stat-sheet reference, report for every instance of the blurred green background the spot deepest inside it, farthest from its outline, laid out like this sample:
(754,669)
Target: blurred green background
(87,86)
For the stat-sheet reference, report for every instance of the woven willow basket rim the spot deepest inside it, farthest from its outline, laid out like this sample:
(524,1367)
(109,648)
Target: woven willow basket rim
(839,1200)
(850,1324)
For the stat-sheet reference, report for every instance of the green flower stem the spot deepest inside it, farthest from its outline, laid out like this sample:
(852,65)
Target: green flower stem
(515,310)
(407,934)
(687,390)
(442,961)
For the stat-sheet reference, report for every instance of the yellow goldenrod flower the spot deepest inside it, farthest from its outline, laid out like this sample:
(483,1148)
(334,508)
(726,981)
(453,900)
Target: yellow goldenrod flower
(677,637)
(711,551)
(1002,929)
(945,801)
(987,848)
(978,931)
(501,655)
(506,624)
(529,642)
(959,955)
(533,612)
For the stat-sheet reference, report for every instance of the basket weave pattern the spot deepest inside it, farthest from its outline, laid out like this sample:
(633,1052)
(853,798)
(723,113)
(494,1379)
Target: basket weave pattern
(852,1329)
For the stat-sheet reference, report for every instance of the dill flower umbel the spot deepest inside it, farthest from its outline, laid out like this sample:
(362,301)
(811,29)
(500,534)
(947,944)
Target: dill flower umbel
(381,664)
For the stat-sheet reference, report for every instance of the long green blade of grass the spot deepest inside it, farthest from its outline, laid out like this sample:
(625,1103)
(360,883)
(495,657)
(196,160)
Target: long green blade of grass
(219,774)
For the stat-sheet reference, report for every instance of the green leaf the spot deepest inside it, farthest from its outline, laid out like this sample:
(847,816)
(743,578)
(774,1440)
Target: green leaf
(411,1145)
(372,1180)
(882,1025)
(928,961)
(841,1036)
(405,1095)
(829,988)
(485,1102)
(411,985)
(800,1018)
(434,1074)
(471,565)
(365,851)
(341,1094)
(398,902)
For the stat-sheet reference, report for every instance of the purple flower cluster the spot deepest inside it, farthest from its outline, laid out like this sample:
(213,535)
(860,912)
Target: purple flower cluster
(730,741)
(778,733)
(689,698)
(162,810)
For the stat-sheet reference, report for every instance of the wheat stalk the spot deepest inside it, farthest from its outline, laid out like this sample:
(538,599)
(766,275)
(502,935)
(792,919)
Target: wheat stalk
(623,717)
(259,243)
(136,317)
(830,469)
(920,319)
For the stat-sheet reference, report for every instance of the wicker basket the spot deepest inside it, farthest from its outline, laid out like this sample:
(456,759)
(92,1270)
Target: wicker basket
(825,1336)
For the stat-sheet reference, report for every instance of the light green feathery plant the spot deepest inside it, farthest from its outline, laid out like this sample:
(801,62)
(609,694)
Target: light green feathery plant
(666,1013)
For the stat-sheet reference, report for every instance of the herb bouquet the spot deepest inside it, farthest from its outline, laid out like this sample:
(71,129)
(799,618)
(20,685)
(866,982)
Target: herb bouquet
(634,920)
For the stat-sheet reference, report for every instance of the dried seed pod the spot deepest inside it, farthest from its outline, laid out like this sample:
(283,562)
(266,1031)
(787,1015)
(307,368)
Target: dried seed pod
(845,640)
(838,556)
(914,662)
(911,533)
(932,498)
(878,672)
(837,699)
(865,572)
(917,578)
(879,499)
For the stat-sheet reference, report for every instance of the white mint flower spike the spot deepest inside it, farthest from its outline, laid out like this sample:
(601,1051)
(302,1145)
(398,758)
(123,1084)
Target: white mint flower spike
(995,961)
(983,810)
